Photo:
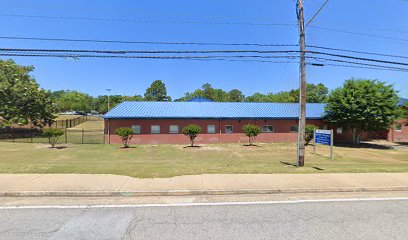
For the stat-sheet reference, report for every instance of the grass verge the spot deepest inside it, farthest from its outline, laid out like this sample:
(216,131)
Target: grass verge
(148,161)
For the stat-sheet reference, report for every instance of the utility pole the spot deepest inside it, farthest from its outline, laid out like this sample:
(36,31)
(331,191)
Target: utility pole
(302,87)
(108,90)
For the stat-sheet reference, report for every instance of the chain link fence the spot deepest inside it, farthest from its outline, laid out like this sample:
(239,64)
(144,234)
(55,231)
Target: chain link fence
(71,135)
(76,136)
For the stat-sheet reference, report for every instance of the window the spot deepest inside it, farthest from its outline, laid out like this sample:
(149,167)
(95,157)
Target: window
(398,127)
(339,130)
(294,128)
(155,129)
(136,129)
(210,128)
(174,129)
(267,128)
(229,129)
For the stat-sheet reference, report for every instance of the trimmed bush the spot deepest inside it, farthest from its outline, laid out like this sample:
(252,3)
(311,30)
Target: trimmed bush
(53,135)
(251,131)
(192,132)
(125,134)
(309,133)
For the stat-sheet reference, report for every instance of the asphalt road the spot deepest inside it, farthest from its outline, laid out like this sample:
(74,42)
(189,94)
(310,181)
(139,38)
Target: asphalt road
(385,219)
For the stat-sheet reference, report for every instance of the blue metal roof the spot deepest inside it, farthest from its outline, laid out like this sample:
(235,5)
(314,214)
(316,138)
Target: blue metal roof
(213,110)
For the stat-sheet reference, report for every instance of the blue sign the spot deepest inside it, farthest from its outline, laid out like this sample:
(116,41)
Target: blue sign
(323,137)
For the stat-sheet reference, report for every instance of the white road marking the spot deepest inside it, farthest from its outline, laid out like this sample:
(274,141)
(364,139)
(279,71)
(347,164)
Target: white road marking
(203,204)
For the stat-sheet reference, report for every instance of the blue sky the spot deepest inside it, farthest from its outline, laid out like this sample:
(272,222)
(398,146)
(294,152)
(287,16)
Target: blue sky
(163,20)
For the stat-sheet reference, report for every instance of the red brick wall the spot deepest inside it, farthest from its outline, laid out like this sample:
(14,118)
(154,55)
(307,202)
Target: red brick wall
(281,130)
(395,135)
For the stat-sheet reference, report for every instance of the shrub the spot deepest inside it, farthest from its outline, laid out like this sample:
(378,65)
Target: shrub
(125,134)
(53,134)
(192,132)
(309,131)
(251,131)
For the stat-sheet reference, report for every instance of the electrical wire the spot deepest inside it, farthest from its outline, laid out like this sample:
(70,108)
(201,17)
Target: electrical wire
(145,20)
(147,42)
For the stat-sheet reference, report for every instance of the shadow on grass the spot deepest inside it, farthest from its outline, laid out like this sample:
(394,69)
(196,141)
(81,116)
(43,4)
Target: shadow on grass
(124,148)
(58,147)
(294,165)
(251,145)
(363,145)
(289,164)
(192,147)
(402,143)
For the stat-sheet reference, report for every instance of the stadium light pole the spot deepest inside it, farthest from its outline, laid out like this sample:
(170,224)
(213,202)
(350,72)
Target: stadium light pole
(108,90)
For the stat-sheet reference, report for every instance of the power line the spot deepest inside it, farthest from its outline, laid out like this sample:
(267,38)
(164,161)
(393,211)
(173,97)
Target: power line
(358,58)
(228,57)
(142,51)
(358,63)
(194,43)
(145,20)
(360,34)
(203,51)
(318,11)
(360,52)
(147,42)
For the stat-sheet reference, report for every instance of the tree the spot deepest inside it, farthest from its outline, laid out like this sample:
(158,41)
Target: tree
(310,128)
(362,105)
(314,93)
(125,134)
(192,132)
(251,131)
(22,101)
(53,135)
(101,102)
(157,92)
(236,95)
(73,101)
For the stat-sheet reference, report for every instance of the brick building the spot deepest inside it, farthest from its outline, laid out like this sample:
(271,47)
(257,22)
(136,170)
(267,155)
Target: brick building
(221,122)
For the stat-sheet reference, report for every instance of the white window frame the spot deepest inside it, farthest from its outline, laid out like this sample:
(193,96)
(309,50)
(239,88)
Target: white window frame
(151,129)
(339,130)
(296,126)
(273,128)
(211,132)
(226,131)
(136,126)
(174,132)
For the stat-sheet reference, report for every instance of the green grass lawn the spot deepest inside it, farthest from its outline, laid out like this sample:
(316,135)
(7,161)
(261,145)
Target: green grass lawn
(65,117)
(147,161)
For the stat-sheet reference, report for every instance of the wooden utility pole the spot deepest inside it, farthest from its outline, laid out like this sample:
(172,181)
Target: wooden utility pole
(302,87)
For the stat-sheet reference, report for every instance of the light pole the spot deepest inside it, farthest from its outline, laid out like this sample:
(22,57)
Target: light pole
(108,90)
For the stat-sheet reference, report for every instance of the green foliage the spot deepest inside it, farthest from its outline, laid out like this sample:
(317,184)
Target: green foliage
(192,132)
(101,102)
(126,135)
(67,100)
(309,129)
(362,105)
(208,92)
(157,92)
(236,95)
(22,101)
(251,131)
(53,135)
(314,94)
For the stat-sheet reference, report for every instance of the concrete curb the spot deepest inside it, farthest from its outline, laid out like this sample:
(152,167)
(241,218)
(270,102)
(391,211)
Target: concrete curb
(87,193)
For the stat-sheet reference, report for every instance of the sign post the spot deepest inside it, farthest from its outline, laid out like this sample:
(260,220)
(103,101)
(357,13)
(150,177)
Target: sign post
(323,137)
